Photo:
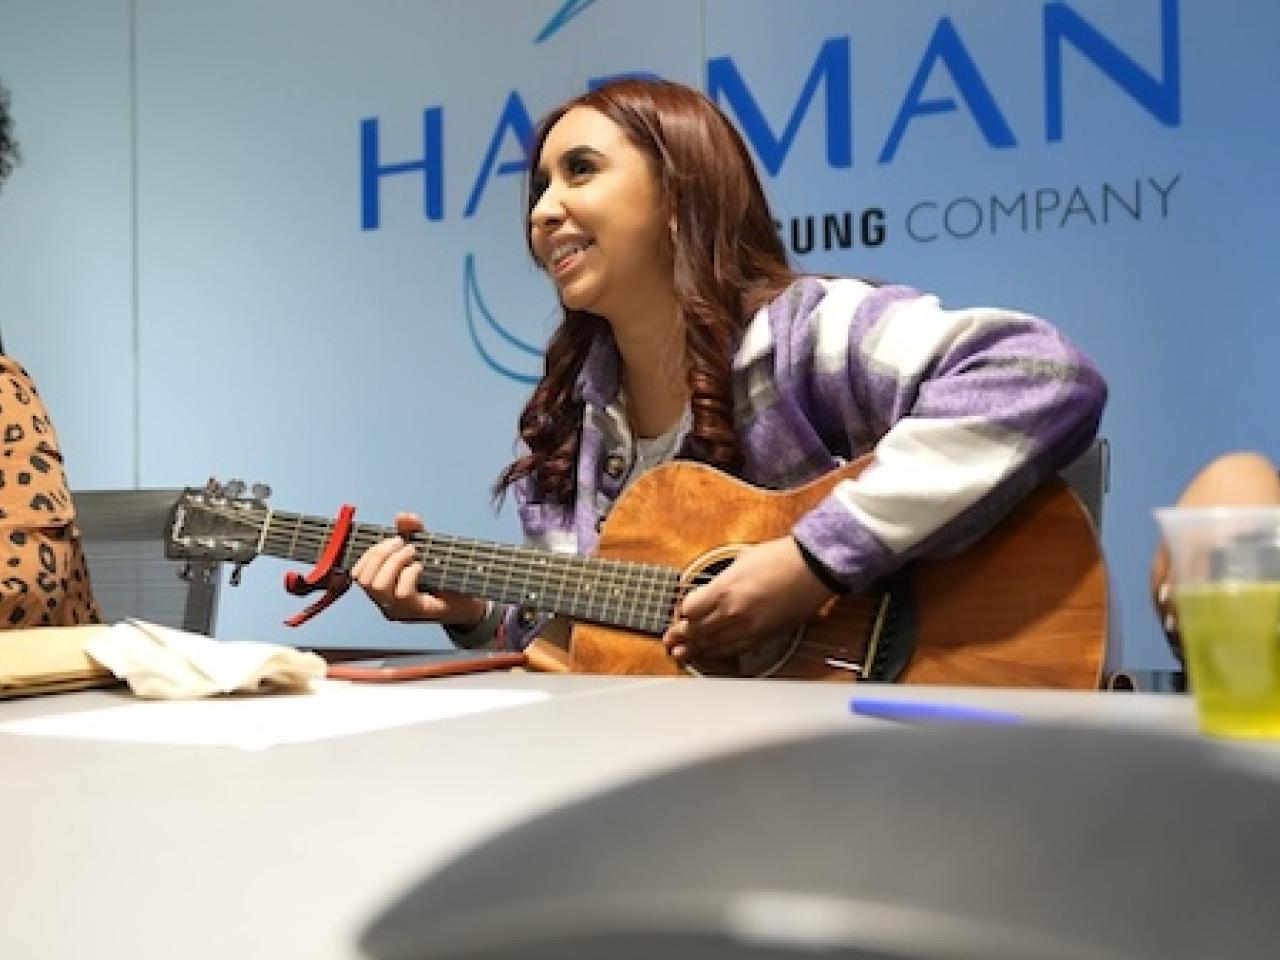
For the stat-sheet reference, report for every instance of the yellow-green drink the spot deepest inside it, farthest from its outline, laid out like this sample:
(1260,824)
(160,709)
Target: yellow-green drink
(1231,640)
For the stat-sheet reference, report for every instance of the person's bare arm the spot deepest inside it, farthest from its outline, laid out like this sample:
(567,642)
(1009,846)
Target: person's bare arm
(1234,479)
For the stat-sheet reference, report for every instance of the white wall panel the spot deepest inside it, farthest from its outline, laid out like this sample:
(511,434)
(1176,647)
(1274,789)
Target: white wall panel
(279,340)
(1172,304)
(283,342)
(66,225)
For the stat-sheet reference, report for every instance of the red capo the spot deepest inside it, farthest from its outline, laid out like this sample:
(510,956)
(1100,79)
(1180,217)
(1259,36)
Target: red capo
(325,575)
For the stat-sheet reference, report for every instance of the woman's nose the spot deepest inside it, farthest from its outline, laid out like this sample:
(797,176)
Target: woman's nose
(548,211)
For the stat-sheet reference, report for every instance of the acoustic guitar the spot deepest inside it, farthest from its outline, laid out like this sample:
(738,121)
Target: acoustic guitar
(1025,606)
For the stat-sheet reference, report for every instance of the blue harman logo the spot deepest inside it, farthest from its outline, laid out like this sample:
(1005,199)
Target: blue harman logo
(480,318)
(477,312)
(825,97)
(562,16)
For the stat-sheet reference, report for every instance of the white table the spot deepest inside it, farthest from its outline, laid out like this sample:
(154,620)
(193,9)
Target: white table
(117,849)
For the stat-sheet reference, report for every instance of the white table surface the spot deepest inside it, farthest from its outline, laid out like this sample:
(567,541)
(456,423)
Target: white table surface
(119,849)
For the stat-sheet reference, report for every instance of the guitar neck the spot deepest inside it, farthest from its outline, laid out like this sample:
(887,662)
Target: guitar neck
(634,596)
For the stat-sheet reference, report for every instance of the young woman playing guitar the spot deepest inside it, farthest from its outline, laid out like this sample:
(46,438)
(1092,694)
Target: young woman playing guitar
(686,334)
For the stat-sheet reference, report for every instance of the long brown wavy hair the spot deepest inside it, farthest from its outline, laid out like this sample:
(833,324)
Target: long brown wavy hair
(729,261)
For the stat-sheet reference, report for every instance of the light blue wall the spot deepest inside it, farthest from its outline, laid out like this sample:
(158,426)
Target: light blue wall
(67,228)
(182,262)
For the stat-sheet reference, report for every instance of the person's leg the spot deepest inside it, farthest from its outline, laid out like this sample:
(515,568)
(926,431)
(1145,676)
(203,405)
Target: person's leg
(1235,479)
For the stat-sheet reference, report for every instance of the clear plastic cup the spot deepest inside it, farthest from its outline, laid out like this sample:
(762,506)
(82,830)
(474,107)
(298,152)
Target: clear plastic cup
(1225,566)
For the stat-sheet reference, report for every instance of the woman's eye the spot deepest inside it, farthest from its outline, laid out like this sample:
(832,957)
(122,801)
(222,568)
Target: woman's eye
(580,167)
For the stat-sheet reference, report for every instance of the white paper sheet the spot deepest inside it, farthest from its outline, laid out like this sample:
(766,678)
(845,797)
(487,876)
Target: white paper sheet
(335,709)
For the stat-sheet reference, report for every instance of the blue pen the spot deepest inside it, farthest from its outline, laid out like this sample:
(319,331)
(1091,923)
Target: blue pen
(921,711)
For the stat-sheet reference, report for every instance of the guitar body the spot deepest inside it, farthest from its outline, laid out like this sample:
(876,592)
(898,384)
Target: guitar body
(1025,606)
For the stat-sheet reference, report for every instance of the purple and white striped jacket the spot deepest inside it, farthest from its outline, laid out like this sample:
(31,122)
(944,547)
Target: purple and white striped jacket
(967,410)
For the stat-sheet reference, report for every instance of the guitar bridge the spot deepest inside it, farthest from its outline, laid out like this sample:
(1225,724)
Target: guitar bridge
(892,638)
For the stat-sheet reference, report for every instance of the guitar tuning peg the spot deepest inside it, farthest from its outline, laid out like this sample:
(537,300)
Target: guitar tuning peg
(234,488)
(184,572)
(236,572)
(260,491)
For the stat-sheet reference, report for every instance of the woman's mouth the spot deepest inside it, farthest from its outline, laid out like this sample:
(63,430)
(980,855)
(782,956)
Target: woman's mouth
(566,256)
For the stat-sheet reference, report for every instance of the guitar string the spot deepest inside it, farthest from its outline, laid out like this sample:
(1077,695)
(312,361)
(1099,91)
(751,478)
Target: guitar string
(657,587)
(364,536)
(623,582)
(659,593)
(807,653)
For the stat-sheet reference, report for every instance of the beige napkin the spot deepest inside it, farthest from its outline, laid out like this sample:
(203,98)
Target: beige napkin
(49,660)
(161,663)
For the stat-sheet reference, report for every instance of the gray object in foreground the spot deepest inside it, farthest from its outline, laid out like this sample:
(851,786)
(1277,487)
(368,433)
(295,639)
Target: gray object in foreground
(1028,842)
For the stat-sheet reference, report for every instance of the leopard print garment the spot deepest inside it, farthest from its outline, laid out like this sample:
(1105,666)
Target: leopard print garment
(43,576)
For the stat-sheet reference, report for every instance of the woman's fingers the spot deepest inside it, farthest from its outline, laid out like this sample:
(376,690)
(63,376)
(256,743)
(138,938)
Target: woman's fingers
(765,592)
(697,636)
(388,573)
(371,561)
(408,523)
(385,573)
(406,582)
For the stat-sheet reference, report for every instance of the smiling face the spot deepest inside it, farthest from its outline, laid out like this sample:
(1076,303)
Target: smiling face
(598,224)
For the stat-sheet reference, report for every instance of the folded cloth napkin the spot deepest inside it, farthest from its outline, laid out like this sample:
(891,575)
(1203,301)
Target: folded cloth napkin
(160,663)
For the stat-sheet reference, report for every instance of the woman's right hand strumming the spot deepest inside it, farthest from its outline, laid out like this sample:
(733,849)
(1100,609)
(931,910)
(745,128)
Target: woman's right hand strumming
(388,572)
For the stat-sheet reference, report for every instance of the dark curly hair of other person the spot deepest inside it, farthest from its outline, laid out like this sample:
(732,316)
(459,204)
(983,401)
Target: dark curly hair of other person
(9,155)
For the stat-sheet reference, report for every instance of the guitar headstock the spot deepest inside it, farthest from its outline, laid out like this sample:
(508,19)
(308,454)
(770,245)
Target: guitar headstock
(217,522)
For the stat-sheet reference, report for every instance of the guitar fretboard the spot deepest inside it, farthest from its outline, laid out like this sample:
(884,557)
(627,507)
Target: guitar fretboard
(635,596)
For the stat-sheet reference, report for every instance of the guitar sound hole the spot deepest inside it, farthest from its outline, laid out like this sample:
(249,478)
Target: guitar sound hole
(761,661)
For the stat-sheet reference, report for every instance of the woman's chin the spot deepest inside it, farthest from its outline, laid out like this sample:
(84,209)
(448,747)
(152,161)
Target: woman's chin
(575,298)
